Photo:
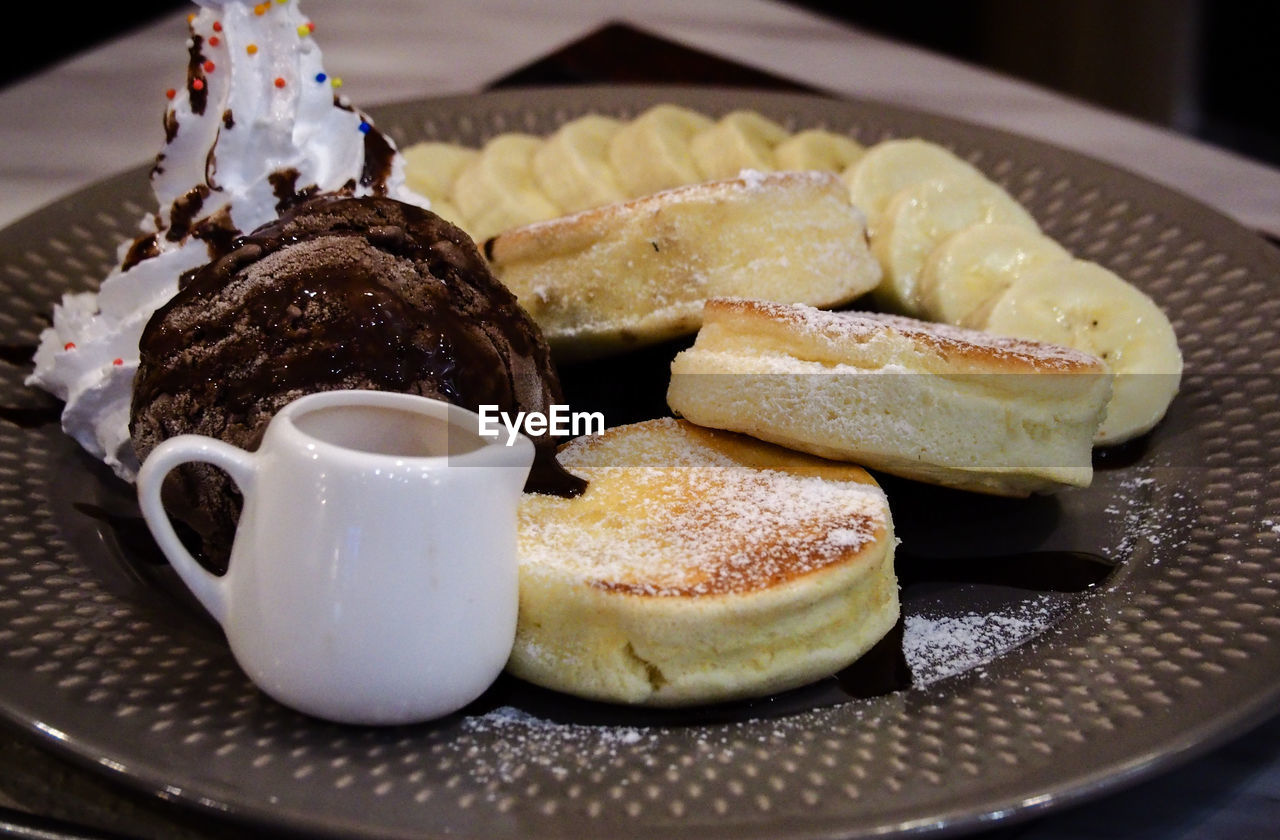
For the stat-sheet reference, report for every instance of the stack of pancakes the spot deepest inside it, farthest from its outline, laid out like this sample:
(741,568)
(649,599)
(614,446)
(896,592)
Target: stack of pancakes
(700,566)
(750,552)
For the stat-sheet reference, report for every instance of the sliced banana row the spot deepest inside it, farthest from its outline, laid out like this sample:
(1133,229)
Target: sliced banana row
(739,140)
(430,169)
(572,167)
(966,272)
(593,160)
(654,151)
(497,189)
(1083,305)
(919,217)
(955,247)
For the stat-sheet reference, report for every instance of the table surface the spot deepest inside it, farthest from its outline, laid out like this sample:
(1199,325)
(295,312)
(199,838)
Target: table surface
(99,113)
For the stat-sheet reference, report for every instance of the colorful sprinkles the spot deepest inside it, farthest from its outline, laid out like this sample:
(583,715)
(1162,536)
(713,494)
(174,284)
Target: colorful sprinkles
(197,84)
(261,8)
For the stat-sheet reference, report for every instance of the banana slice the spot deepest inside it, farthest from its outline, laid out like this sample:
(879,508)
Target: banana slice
(922,215)
(1085,306)
(496,190)
(739,140)
(817,148)
(651,152)
(430,168)
(572,166)
(963,275)
(891,165)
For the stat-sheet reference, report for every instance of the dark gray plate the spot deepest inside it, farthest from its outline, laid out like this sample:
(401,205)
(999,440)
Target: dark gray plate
(1057,697)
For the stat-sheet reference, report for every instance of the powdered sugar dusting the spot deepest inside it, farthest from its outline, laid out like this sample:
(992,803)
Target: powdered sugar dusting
(936,647)
(938,643)
(518,740)
(1148,526)
(860,327)
(678,517)
(748,180)
(753,178)
(516,743)
(942,646)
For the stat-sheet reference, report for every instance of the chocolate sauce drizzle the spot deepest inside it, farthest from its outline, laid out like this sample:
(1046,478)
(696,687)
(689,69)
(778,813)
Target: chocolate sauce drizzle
(374,333)
(217,232)
(143,248)
(378,156)
(197,94)
(185,210)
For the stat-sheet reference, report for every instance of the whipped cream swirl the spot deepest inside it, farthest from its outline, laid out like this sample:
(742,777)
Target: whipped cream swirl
(258,127)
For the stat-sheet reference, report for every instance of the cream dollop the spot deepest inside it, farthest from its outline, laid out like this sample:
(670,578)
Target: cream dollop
(257,126)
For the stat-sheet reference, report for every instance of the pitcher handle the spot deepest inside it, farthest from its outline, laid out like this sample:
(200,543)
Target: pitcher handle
(211,590)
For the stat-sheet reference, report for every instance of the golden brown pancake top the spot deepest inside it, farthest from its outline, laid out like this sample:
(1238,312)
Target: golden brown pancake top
(717,513)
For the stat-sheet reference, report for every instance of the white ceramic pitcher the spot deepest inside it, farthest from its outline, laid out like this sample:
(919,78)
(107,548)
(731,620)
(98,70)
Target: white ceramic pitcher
(373,575)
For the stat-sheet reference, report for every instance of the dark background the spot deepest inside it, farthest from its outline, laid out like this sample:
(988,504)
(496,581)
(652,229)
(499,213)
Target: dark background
(1206,68)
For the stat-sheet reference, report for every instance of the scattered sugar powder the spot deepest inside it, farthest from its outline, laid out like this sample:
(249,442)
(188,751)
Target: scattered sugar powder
(508,746)
(941,646)
(516,741)
(1151,516)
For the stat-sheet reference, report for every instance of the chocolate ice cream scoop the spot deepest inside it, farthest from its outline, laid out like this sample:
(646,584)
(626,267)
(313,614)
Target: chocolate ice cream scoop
(338,293)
